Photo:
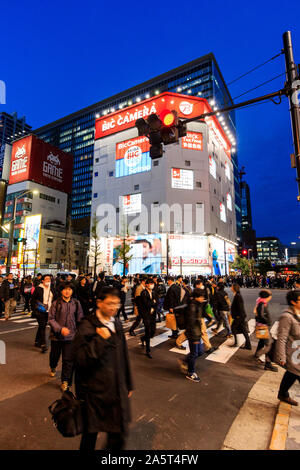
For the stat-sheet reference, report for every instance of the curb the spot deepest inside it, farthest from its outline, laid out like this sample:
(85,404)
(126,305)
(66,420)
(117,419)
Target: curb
(280,431)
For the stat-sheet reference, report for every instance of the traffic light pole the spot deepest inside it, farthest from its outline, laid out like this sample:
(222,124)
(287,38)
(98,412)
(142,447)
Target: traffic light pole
(292,76)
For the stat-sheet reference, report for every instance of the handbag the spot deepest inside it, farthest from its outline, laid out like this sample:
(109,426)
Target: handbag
(40,307)
(171,321)
(179,313)
(67,415)
(262,331)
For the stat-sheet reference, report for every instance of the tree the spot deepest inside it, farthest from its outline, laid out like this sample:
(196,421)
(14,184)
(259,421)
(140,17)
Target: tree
(264,266)
(69,251)
(122,251)
(243,264)
(95,245)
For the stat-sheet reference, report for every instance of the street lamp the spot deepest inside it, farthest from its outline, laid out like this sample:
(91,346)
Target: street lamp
(12,226)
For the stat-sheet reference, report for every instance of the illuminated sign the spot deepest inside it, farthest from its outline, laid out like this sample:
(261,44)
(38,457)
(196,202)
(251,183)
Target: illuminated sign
(227,170)
(192,141)
(131,203)
(193,250)
(146,253)
(229,202)
(35,160)
(32,228)
(186,107)
(212,167)
(182,179)
(222,212)
(132,156)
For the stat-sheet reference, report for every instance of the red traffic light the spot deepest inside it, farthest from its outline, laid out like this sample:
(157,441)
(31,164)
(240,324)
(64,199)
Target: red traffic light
(168,118)
(244,252)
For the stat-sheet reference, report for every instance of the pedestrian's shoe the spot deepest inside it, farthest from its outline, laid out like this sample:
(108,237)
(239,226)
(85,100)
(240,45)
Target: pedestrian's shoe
(44,348)
(229,336)
(183,366)
(247,346)
(234,345)
(148,354)
(288,400)
(183,348)
(37,345)
(194,377)
(132,333)
(269,366)
(52,372)
(64,386)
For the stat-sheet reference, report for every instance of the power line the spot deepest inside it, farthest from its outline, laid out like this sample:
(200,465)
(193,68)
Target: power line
(255,68)
(264,83)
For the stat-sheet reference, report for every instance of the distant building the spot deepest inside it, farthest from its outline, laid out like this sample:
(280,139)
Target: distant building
(248,233)
(270,248)
(12,127)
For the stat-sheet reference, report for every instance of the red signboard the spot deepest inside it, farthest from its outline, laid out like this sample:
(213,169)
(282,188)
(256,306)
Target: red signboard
(35,160)
(130,149)
(192,141)
(186,107)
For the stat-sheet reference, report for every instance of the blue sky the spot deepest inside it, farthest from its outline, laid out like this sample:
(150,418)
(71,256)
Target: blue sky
(59,57)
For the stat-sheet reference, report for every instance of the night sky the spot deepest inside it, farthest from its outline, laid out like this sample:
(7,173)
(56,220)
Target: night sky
(59,57)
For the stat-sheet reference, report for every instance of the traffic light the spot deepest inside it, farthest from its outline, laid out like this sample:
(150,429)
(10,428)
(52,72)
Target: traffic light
(244,252)
(20,240)
(163,129)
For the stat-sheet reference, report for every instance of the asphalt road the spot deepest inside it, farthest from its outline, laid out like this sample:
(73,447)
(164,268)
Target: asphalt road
(169,411)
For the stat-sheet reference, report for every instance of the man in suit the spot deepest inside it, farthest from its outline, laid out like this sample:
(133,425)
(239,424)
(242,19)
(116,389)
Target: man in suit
(172,299)
(147,309)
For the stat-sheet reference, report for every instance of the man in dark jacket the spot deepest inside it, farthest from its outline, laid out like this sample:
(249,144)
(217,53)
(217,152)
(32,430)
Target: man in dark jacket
(193,323)
(172,299)
(64,317)
(9,294)
(147,309)
(239,316)
(102,374)
(222,304)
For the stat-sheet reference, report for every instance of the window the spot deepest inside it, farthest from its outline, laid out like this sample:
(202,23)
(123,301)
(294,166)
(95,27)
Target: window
(49,239)
(97,160)
(137,228)
(110,173)
(155,163)
(198,184)
(215,192)
(49,250)
(47,198)
(136,187)
(117,210)
(48,260)
(199,205)
(187,163)
(96,173)
(95,195)
(212,208)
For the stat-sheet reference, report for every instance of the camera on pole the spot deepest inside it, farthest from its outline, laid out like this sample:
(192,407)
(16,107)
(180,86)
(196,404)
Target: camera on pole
(161,130)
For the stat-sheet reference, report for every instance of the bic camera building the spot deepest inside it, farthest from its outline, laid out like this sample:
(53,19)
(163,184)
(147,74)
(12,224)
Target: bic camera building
(75,133)
(179,209)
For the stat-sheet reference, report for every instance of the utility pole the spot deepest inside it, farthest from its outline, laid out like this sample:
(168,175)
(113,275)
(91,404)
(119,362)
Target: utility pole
(293,78)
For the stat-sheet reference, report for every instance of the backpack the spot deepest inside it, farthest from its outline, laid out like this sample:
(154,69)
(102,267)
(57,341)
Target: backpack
(67,415)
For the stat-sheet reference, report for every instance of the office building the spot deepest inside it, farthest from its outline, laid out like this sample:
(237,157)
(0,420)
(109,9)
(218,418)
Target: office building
(270,248)
(248,233)
(75,132)
(178,210)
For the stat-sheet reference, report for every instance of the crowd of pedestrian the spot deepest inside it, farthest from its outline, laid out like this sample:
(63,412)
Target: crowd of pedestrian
(86,331)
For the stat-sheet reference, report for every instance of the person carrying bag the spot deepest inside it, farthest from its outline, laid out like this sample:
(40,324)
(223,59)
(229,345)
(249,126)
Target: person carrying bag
(262,329)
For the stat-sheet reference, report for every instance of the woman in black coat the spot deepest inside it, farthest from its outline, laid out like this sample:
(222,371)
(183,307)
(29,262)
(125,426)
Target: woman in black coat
(102,373)
(84,296)
(239,317)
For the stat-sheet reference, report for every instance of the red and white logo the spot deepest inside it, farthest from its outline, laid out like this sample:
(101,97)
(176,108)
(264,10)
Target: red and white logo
(186,108)
(53,159)
(133,156)
(21,151)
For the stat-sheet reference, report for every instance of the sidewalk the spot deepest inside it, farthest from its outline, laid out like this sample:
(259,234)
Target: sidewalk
(264,423)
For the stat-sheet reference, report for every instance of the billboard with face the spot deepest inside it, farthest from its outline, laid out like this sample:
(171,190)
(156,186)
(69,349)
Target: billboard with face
(146,252)
(35,160)
(32,230)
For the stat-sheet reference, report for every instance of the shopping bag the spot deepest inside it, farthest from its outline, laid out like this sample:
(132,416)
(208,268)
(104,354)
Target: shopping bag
(261,331)
(171,321)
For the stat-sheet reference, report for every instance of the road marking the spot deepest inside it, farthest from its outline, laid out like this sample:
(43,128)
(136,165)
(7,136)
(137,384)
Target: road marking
(225,351)
(173,397)
(25,320)
(19,329)
(186,344)
(141,417)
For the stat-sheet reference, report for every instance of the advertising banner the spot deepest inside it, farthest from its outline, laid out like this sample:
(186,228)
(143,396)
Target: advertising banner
(227,170)
(186,107)
(212,167)
(146,252)
(32,229)
(192,250)
(192,141)
(222,212)
(182,179)
(35,160)
(3,248)
(131,203)
(229,201)
(132,156)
